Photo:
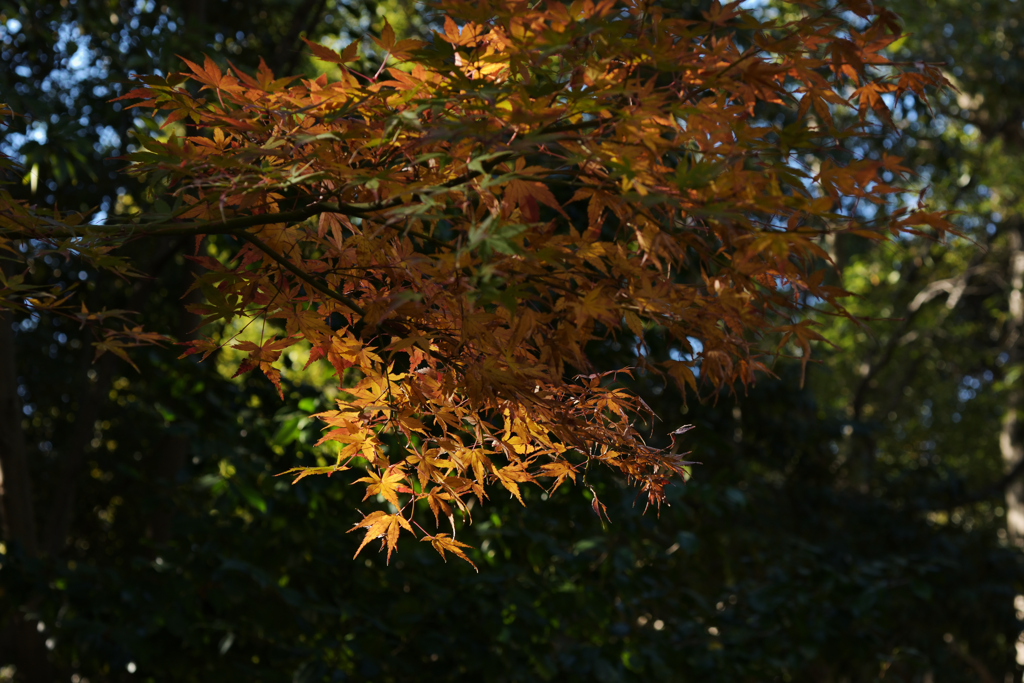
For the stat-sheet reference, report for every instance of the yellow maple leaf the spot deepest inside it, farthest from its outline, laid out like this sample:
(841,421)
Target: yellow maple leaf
(444,542)
(386,485)
(379,524)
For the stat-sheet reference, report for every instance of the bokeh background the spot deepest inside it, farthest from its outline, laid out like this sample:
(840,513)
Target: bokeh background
(864,526)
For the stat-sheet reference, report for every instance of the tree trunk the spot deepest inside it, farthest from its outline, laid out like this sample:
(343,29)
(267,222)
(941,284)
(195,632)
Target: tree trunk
(1011,445)
(20,640)
(171,457)
(15,482)
(72,463)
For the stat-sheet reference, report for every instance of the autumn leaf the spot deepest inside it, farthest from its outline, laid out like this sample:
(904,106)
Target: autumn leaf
(511,476)
(263,356)
(386,41)
(682,373)
(328,55)
(527,194)
(427,468)
(560,470)
(599,508)
(444,543)
(303,472)
(384,526)
(386,485)
(116,347)
(803,335)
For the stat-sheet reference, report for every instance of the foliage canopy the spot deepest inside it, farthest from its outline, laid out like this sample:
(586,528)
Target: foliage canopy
(455,233)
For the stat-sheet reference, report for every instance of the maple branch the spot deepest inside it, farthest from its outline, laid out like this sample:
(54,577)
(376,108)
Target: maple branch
(426,238)
(233,225)
(337,296)
(567,127)
(223,227)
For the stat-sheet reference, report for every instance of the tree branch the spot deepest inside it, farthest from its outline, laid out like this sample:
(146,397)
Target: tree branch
(224,227)
(337,296)
(995,490)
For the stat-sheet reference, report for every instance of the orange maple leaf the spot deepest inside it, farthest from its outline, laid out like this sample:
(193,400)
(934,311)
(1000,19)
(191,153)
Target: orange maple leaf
(444,542)
(379,524)
(386,485)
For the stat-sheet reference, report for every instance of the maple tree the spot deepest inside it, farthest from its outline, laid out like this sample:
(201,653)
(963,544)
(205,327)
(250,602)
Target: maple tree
(453,232)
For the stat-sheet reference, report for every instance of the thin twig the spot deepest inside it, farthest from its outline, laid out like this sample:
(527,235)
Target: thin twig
(337,296)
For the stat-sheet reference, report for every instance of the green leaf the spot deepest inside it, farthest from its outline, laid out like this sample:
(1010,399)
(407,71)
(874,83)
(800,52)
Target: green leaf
(251,495)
